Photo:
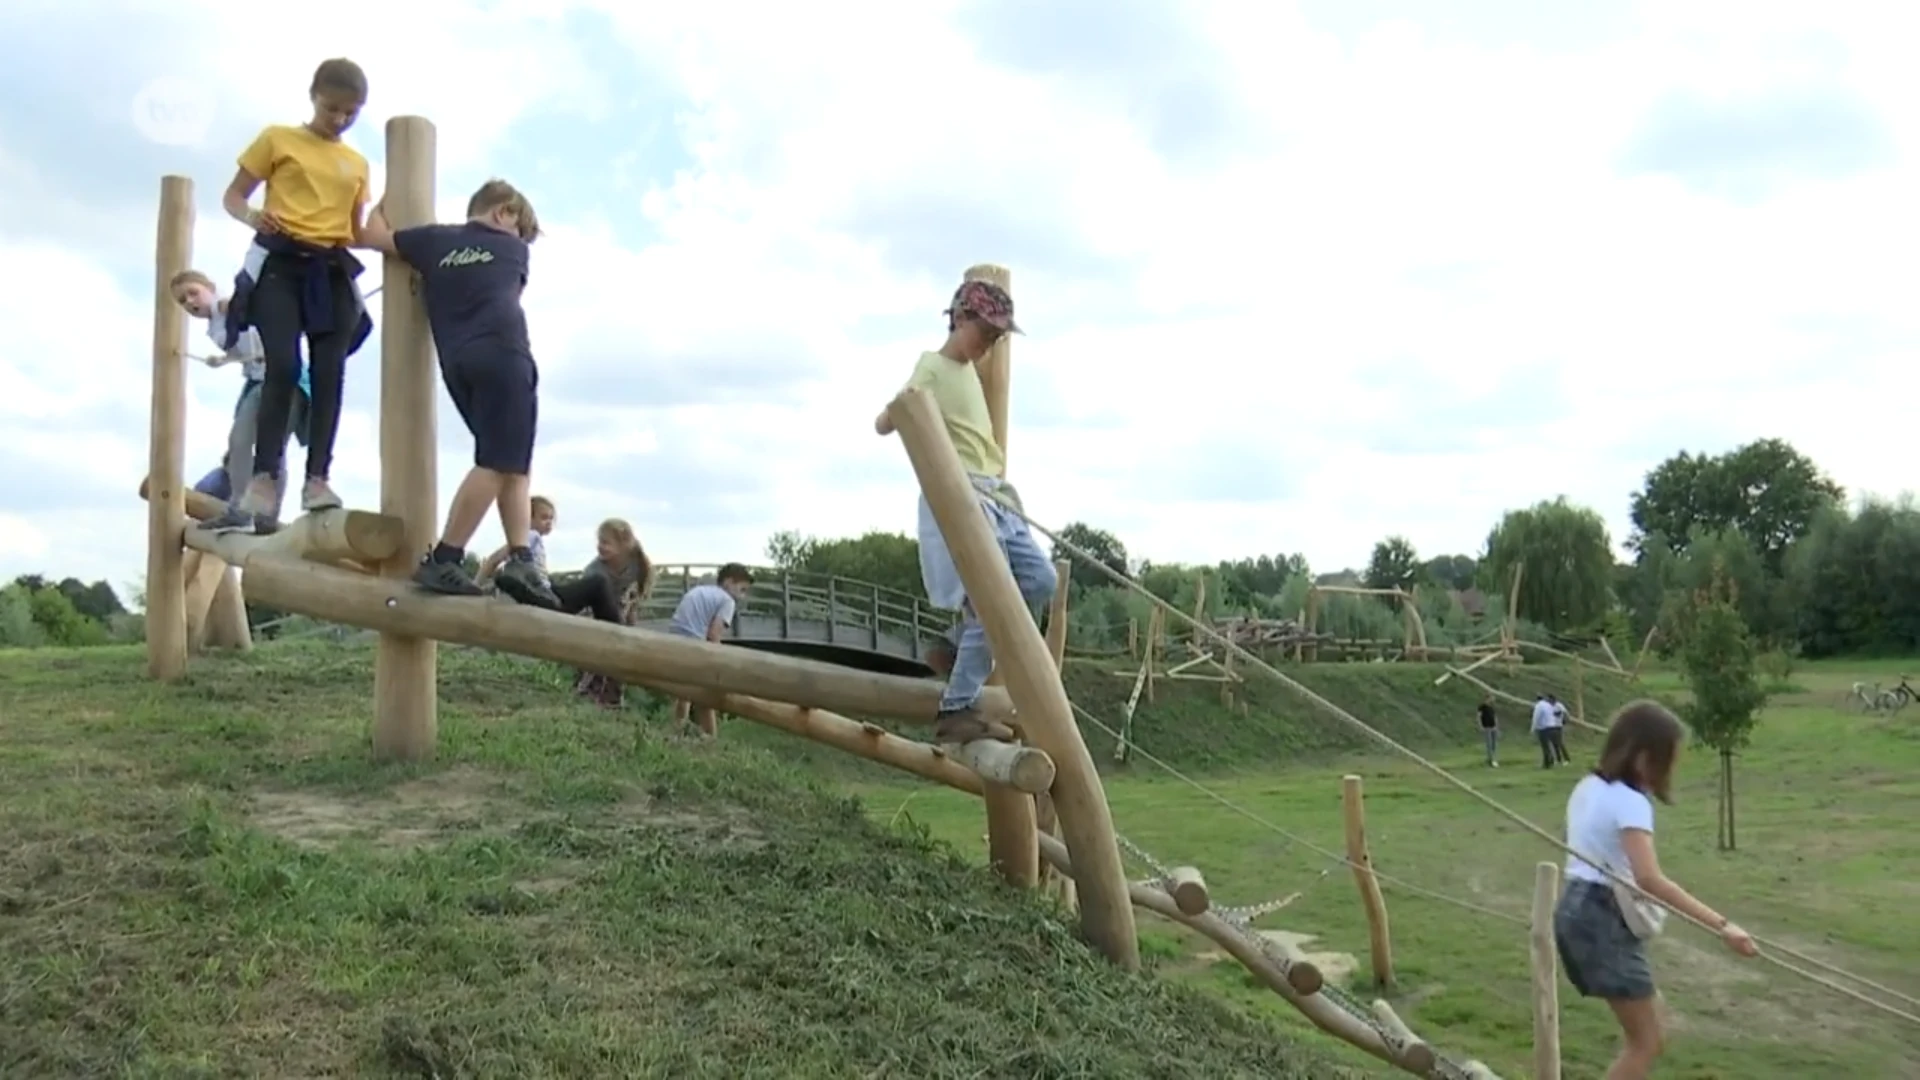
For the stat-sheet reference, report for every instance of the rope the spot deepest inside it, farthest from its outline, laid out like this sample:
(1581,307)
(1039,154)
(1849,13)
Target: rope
(1333,856)
(1494,804)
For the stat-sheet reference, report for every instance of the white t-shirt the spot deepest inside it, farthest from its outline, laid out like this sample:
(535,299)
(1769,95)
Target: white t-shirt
(248,349)
(1543,716)
(697,610)
(1596,812)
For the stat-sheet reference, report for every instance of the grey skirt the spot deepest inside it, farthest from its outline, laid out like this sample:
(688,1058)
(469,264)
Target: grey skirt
(1601,956)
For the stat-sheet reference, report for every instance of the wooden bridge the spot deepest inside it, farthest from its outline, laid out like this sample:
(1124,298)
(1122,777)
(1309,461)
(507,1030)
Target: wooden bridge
(835,619)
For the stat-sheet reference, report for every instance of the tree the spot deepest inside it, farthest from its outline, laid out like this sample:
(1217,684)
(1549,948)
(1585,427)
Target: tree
(1721,666)
(1106,549)
(1456,572)
(1766,489)
(1243,582)
(1393,565)
(1566,560)
(889,560)
(1853,583)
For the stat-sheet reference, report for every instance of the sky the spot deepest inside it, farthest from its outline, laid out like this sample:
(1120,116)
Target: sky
(1295,276)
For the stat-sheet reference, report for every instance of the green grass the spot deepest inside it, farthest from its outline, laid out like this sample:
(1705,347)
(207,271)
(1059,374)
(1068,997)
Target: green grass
(210,880)
(1828,862)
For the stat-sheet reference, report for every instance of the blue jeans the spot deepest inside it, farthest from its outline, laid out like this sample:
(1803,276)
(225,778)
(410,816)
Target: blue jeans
(1492,737)
(1033,573)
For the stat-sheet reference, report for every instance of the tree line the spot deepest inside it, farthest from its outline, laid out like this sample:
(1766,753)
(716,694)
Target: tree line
(69,612)
(1812,574)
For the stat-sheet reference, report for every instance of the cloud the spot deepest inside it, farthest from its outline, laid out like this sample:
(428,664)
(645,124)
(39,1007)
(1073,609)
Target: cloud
(1297,276)
(1744,148)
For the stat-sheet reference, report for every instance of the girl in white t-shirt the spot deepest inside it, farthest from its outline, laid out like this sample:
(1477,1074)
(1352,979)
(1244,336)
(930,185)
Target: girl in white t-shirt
(1610,819)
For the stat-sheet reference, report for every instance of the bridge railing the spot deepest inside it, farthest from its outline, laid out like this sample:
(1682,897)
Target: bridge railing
(860,610)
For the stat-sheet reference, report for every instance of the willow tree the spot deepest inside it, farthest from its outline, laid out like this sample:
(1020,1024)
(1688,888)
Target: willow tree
(1566,556)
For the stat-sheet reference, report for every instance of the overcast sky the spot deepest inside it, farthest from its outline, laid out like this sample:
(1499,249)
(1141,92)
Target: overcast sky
(1296,276)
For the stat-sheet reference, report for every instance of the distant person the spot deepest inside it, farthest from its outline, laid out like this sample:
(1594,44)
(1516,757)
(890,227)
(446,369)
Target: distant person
(472,276)
(1544,724)
(299,281)
(979,315)
(705,612)
(1610,818)
(1557,734)
(1490,731)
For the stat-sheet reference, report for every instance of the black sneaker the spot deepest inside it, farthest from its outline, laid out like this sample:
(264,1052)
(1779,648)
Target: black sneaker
(524,582)
(447,579)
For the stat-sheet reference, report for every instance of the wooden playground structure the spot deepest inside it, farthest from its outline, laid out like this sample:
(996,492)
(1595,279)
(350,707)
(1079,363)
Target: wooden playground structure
(1042,796)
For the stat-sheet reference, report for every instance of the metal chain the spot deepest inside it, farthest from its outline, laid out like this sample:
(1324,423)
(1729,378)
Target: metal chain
(1139,853)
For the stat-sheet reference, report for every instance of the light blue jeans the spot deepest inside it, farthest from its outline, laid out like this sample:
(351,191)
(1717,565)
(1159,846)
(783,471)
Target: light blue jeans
(1033,573)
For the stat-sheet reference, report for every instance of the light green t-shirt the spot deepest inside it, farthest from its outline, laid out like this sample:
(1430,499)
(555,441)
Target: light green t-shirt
(955,387)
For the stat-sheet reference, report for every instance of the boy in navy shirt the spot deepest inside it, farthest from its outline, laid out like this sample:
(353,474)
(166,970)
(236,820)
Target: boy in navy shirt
(472,276)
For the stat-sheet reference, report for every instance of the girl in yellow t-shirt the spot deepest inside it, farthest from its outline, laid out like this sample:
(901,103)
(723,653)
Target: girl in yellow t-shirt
(302,280)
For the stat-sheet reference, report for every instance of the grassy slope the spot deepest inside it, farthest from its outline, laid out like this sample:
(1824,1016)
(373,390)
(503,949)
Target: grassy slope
(209,880)
(1826,863)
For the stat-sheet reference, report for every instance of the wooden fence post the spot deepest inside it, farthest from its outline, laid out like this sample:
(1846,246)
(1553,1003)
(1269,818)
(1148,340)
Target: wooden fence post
(1546,995)
(1378,940)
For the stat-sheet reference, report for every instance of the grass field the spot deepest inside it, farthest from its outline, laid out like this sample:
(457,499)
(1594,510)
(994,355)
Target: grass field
(210,880)
(1828,863)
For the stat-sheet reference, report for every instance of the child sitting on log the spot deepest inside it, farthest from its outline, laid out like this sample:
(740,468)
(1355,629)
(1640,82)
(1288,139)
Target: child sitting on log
(705,612)
(299,280)
(196,292)
(472,276)
(980,315)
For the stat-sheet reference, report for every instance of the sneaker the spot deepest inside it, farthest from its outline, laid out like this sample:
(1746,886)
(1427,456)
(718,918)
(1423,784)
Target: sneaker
(250,513)
(524,582)
(447,579)
(967,725)
(317,495)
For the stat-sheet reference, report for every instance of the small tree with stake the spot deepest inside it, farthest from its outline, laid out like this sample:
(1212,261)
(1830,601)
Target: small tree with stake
(1721,665)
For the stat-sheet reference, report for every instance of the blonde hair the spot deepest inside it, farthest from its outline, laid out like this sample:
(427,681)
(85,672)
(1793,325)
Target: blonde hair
(189,277)
(617,532)
(539,502)
(497,194)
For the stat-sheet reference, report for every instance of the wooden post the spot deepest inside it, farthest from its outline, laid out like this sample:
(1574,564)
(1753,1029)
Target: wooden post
(1133,639)
(405,690)
(167,440)
(1579,693)
(227,626)
(1546,993)
(1353,803)
(1061,885)
(1012,825)
(1153,642)
(1045,717)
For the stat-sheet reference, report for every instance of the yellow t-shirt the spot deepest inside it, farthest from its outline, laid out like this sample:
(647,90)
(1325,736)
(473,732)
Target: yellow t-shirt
(955,387)
(316,186)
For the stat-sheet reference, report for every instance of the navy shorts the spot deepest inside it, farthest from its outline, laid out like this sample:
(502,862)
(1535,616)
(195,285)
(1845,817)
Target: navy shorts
(498,398)
(1601,956)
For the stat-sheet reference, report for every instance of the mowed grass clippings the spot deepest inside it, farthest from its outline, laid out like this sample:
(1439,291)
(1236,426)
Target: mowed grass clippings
(211,880)
(1828,862)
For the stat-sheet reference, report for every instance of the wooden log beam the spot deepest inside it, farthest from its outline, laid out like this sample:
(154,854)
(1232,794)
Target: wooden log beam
(963,768)
(167,439)
(1045,818)
(1545,969)
(1379,940)
(626,653)
(348,538)
(1411,1051)
(1046,718)
(406,696)
(203,573)
(227,625)
(1189,890)
(1324,1013)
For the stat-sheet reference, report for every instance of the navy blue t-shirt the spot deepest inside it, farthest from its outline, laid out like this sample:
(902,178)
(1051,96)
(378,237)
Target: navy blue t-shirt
(473,277)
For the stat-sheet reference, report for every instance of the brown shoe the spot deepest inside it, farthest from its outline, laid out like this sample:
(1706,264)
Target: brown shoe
(967,725)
